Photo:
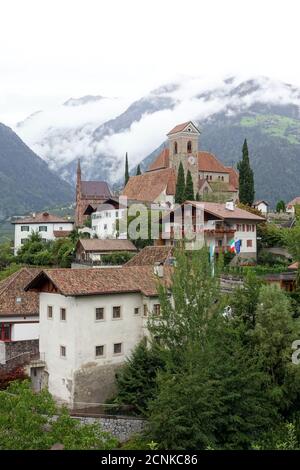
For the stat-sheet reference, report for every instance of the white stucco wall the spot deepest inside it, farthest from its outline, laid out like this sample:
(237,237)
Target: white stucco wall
(81,333)
(25,331)
(48,235)
(104,222)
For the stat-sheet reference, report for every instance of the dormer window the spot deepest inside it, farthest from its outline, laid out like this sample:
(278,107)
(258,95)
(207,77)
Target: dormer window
(175,148)
(189,147)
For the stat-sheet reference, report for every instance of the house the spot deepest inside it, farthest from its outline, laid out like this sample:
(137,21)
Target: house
(290,207)
(153,255)
(222,227)
(89,194)
(106,216)
(49,226)
(90,321)
(286,281)
(209,175)
(19,319)
(91,250)
(261,206)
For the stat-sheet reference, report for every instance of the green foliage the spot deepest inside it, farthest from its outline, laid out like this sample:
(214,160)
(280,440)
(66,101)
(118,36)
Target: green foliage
(246,178)
(126,177)
(198,197)
(138,170)
(136,381)
(88,222)
(31,421)
(280,206)
(180,185)
(271,235)
(4,273)
(244,300)
(189,187)
(117,258)
(6,255)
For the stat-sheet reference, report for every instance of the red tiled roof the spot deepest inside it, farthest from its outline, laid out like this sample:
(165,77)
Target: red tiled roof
(13,299)
(233,176)
(294,201)
(98,189)
(42,217)
(294,266)
(82,282)
(162,161)
(150,185)
(151,255)
(101,245)
(219,210)
(209,162)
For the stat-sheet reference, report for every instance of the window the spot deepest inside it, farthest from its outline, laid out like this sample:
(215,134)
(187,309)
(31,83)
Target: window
(249,243)
(5,331)
(210,177)
(222,178)
(137,310)
(50,312)
(99,313)
(156,309)
(117,214)
(99,351)
(145,310)
(23,240)
(63,314)
(118,348)
(63,351)
(105,226)
(24,228)
(43,228)
(116,312)
(189,147)
(175,148)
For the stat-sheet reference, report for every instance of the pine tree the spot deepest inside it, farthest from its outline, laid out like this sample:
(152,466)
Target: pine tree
(180,185)
(138,170)
(126,170)
(189,187)
(246,190)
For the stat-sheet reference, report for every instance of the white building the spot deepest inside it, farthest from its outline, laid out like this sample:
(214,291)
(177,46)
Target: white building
(105,219)
(47,225)
(290,207)
(90,321)
(19,318)
(215,225)
(262,206)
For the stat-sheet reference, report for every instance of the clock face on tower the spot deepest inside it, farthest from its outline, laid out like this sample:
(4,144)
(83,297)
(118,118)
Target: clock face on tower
(191,160)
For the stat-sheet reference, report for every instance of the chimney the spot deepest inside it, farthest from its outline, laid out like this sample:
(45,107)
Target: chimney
(33,215)
(159,269)
(229,205)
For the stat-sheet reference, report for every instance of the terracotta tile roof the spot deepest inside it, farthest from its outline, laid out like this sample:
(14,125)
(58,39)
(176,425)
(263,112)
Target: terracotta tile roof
(151,255)
(209,162)
(42,217)
(82,282)
(14,300)
(219,210)
(61,233)
(222,187)
(295,201)
(181,127)
(99,189)
(162,161)
(233,176)
(294,265)
(150,185)
(101,245)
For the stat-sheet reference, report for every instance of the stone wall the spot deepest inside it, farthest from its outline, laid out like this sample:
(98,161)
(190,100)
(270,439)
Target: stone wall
(122,428)
(17,353)
(94,384)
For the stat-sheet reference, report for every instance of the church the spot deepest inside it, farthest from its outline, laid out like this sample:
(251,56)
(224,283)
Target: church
(89,194)
(211,179)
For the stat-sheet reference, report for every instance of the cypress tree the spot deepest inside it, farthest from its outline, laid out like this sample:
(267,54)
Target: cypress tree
(180,185)
(126,170)
(197,197)
(138,170)
(189,187)
(246,190)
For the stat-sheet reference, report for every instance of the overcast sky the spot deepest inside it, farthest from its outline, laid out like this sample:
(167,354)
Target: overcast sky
(51,50)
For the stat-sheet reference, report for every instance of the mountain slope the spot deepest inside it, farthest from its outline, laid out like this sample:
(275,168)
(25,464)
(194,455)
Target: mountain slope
(264,111)
(26,183)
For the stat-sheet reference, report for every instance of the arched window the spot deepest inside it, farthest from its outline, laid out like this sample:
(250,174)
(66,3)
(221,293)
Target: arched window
(189,146)
(175,148)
